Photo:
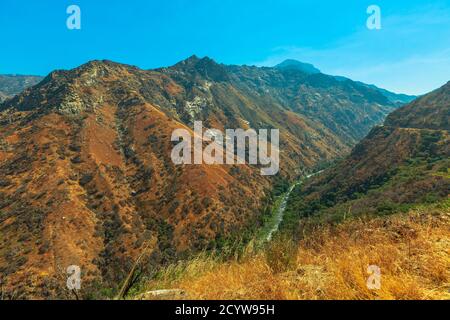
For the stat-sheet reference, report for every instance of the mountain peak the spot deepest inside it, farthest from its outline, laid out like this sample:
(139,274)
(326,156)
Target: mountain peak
(67,90)
(195,60)
(192,59)
(291,64)
(205,67)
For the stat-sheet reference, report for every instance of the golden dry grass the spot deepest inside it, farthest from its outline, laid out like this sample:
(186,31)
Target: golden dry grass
(413,252)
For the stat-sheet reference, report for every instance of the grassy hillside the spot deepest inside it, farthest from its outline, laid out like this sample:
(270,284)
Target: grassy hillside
(431,111)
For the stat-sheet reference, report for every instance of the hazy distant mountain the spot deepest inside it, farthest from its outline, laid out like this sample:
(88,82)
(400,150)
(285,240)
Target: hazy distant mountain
(297,65)
(398,99)
(86,175)
(11,85)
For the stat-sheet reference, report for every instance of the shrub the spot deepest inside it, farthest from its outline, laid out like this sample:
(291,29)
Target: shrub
(85,179)
(281,254)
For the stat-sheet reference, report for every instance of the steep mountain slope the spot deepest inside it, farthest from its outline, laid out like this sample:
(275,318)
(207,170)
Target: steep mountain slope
(347,109)
(404,163)
(85,171)
(87,180)
(11,85)
(397,98)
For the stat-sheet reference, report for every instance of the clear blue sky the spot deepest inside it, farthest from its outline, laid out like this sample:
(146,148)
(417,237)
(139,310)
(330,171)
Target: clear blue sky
(411,53)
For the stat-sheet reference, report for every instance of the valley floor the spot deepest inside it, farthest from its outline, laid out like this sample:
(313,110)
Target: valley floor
(412,250)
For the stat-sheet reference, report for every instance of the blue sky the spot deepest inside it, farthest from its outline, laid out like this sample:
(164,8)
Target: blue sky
(410,54)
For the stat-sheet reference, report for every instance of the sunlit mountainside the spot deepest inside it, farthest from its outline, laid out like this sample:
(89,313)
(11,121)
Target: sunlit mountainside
(86,177)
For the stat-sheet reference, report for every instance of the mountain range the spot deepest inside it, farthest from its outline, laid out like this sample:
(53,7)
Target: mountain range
(86,177)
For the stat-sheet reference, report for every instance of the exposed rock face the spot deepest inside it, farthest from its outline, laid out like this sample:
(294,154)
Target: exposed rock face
(85,171)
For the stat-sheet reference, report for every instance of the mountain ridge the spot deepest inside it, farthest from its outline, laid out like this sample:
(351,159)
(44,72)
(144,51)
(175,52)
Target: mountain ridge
(86,175)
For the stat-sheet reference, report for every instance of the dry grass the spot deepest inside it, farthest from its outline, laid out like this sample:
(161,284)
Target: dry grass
(413,252)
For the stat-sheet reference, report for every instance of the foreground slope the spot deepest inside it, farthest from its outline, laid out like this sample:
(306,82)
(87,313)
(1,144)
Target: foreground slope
(328,263)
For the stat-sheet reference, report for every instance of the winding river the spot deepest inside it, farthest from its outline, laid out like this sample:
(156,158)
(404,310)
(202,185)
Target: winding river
(273,224)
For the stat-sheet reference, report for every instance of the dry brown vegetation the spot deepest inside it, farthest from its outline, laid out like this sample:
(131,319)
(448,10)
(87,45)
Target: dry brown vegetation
(412,250)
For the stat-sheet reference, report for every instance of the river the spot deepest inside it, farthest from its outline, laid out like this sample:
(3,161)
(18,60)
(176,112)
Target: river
(273,224)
